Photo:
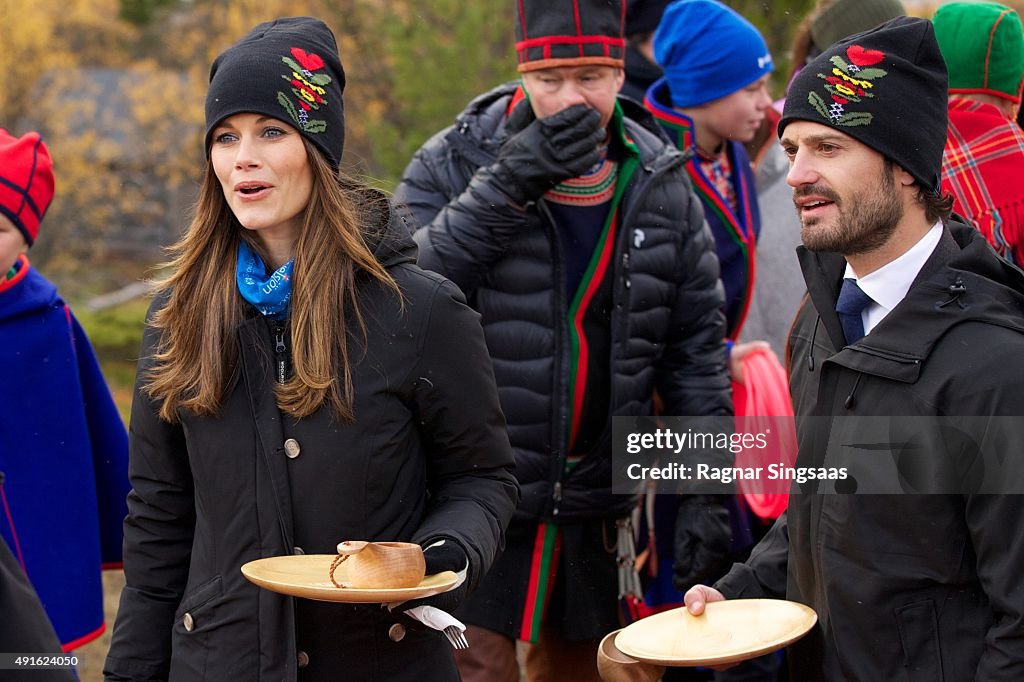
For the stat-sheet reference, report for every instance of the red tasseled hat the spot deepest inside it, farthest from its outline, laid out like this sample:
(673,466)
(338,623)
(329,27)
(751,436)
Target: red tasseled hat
(26,181)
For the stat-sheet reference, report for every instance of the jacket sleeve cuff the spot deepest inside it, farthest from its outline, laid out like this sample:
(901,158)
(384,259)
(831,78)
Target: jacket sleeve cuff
(740,583)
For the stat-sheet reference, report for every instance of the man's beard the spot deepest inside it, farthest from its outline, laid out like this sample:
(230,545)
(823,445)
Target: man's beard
(866,220)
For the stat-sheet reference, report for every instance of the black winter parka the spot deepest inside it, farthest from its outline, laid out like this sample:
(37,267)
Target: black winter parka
(667,325)
(906,586)
(426,457)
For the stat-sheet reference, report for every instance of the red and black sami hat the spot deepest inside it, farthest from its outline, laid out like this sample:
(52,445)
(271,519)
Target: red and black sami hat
(289,69)
(26,182)
(553,33)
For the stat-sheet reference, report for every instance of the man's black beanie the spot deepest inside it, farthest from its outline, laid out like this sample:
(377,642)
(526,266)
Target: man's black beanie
(288,69)
(886,88)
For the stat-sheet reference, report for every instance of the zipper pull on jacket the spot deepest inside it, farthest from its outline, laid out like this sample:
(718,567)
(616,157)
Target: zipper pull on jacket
(280,352)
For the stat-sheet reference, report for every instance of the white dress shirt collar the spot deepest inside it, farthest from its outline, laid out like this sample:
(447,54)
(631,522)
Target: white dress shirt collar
(889,284)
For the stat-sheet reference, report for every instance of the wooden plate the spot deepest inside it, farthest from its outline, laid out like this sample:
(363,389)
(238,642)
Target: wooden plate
(727,632)
(308,576)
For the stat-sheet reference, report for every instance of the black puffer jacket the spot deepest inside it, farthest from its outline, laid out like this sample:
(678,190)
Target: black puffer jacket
(427,457)
(666,327)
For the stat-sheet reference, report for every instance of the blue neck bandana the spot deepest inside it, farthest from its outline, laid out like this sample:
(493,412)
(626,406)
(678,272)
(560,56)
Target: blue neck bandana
(270,294)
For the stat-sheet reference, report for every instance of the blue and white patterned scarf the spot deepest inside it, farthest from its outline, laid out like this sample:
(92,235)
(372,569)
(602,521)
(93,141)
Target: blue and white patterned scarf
(270,294)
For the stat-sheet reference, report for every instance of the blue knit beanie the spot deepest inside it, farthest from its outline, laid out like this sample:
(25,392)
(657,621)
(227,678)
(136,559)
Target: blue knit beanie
(708,51)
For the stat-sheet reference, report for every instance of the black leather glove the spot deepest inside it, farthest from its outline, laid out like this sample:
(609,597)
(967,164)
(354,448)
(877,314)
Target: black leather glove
(548,151)
(702,538)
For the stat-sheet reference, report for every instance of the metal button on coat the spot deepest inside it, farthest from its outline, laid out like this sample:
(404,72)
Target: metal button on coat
(188,622)
(291,448)
(303,659)
(298,550)
(396,632)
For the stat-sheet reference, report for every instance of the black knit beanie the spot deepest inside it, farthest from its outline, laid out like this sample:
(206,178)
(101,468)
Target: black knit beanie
(886,88)
(289,69)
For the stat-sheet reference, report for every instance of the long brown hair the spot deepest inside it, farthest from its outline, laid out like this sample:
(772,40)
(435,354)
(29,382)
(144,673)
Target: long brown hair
(195,362)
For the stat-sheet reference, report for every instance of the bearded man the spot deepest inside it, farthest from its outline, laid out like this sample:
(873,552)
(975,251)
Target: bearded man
(908,313)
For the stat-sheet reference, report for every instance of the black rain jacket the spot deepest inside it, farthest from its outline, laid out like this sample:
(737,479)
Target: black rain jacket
(906,586)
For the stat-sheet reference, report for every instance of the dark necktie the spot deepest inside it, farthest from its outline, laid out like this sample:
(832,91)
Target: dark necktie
(852,302)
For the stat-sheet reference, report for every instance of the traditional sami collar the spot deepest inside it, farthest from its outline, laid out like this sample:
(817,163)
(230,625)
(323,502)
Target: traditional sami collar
(679,127)
(16,273)
(617,125)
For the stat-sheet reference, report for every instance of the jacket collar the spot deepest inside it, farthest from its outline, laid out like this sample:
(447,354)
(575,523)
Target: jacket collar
(388,231)
(677,126)
(27,293)
(963,280)
(20,268)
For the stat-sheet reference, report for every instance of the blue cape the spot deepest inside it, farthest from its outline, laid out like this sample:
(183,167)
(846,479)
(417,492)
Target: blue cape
(63,457)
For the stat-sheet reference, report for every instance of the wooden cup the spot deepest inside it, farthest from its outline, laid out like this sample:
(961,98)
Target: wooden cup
(381,565)
(615,666)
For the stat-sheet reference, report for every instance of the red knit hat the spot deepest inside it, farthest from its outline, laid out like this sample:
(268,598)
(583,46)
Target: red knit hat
(26,181)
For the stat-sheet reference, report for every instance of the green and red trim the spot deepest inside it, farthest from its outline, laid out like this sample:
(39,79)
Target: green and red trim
(21,268)
(597,270)
(547,548)
(717,204)
(680,128)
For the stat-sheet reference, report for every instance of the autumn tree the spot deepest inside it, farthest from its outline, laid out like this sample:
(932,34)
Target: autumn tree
(420,63)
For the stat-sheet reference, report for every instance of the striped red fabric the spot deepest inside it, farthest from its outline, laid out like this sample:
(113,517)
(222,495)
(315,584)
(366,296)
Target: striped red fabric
(982,167)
